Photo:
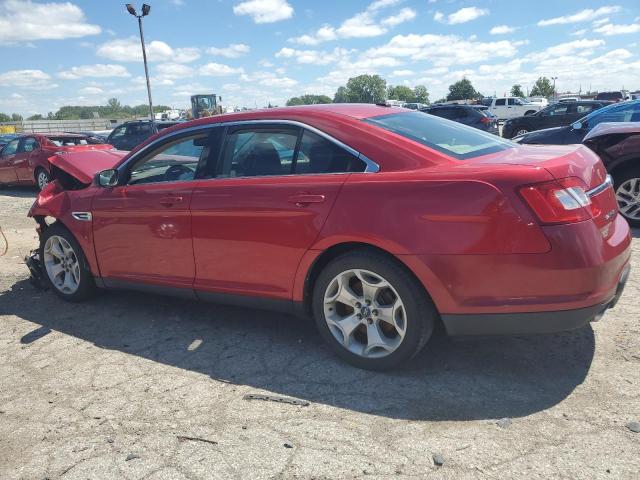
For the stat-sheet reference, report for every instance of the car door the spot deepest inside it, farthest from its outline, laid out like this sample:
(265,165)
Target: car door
(116,138)
(28,148)
(500,108)
(7,170)
(136,134)
(142,226)
(557,115)
(253,223)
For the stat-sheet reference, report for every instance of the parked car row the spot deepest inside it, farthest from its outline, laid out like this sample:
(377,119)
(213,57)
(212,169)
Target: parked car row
(477,116)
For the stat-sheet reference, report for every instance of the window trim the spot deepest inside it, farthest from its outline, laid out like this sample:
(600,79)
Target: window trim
(371,166)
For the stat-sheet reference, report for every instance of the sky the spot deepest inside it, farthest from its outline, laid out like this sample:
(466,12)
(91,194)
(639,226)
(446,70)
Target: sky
(254,52)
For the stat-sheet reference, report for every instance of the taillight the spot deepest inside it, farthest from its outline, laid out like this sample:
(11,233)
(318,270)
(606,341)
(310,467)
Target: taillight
(558,201)
(485,120)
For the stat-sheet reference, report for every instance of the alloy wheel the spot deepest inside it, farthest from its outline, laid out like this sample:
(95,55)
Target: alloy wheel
(628,196)
(43,179)
(62,265)
(364,313)
(522,131)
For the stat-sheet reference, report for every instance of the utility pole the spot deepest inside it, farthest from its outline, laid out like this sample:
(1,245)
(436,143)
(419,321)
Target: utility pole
(145,11)
(555,95)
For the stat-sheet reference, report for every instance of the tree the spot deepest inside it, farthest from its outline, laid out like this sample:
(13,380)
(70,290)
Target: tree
(516,91)
(308,100)
(4,117)
(114,103)
(462,90)
(37,116)
(542,88)
(341,95)
(366,89)
(421,94)
(16,117)
(401,92)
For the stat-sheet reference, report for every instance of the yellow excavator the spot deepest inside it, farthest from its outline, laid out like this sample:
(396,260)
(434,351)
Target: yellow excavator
(205,105)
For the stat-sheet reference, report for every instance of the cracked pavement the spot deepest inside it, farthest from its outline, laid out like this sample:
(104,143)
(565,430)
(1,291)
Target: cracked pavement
(133,386)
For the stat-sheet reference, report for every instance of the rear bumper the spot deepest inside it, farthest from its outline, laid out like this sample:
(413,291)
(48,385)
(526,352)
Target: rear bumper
(531,322)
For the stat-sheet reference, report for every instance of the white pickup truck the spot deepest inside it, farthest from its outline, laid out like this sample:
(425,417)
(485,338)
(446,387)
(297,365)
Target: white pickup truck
(506,108)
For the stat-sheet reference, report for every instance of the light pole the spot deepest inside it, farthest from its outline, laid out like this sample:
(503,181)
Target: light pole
(554,87)
(145,11)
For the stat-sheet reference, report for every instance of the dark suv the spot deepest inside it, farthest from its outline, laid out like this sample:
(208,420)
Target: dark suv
(477,116)
(131,134)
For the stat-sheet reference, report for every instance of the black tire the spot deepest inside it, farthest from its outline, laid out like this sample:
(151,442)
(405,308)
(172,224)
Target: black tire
(86,286)
(421,314)
(37,174)
(622,177)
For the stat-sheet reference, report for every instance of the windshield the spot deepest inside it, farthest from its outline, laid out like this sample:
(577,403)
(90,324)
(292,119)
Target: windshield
(618,112)
(451,138)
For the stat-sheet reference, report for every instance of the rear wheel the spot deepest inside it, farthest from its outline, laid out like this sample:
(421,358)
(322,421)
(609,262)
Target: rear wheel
(64,265)
(42,178)
(521,131)
(371,311)
(627,186)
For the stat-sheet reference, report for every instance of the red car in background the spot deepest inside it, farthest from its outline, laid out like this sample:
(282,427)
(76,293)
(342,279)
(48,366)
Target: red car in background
(25,159)
(377,221)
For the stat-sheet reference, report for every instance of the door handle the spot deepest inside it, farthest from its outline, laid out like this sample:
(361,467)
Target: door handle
(304,199)
(170,201)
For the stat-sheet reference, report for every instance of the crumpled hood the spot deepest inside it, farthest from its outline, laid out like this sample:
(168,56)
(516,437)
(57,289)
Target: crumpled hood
(84,165)
(608,128)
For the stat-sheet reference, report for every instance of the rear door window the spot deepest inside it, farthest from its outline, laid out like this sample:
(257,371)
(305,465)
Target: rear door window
(259,151)
(454,139)
(500,102)
(11,147)
(28,145)
(320,155)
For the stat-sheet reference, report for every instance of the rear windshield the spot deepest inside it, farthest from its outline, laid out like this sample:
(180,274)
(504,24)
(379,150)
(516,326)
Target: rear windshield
(609,96)
(68,141)
(451,138)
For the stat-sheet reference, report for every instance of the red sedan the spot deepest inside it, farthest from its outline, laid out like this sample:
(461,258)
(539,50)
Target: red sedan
(379,222)
(25,160)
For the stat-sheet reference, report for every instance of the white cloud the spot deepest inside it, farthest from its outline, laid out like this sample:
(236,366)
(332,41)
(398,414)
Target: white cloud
(23,20)
(576,47)
(29,79)
(443,50)
(579,33)
(581,16)
(364,24)
(281,82)
(438,17)
(611,29)
(234,50)
(402,16)
(466,14)
(97,70)
(173,71)
(129,50)
(218,70)
(265,63)
(91,91)
(601,21)
(502,30)
(313,57)
(265,11)
(402,73)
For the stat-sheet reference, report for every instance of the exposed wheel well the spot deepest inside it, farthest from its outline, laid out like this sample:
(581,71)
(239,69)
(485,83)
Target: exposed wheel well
(335,251)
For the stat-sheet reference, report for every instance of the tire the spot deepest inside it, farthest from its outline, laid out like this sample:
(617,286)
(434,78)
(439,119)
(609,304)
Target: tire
(627,187)
(415,313)
(42,178)
(520,131)
(74,266)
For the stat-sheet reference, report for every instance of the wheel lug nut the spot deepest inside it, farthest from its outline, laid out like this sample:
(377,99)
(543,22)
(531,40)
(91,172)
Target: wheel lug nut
(375,312)
(368,302)
(358,305)
(359,317)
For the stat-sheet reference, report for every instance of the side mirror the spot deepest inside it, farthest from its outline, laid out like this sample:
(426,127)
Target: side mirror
(108,178)
(577,126)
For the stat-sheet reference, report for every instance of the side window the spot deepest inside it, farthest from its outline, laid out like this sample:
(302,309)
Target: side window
(252,152)
(11,147)
(118,132)
(136,129)
(29,145)
(171,162)
(559,110)
(619,113)
(500,102)
(319,155)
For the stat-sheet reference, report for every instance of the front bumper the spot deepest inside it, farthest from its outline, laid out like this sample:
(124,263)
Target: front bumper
(531,322)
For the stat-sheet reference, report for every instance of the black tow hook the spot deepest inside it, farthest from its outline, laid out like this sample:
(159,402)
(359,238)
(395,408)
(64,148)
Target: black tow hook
(34,264)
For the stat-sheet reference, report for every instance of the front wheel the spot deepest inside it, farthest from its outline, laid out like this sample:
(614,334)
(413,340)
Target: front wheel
(627,186)
(371,311)
(42,178)
(64,265)
(521,131)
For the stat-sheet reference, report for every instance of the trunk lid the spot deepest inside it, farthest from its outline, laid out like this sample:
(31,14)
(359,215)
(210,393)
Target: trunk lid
(563,161)
(83,163)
